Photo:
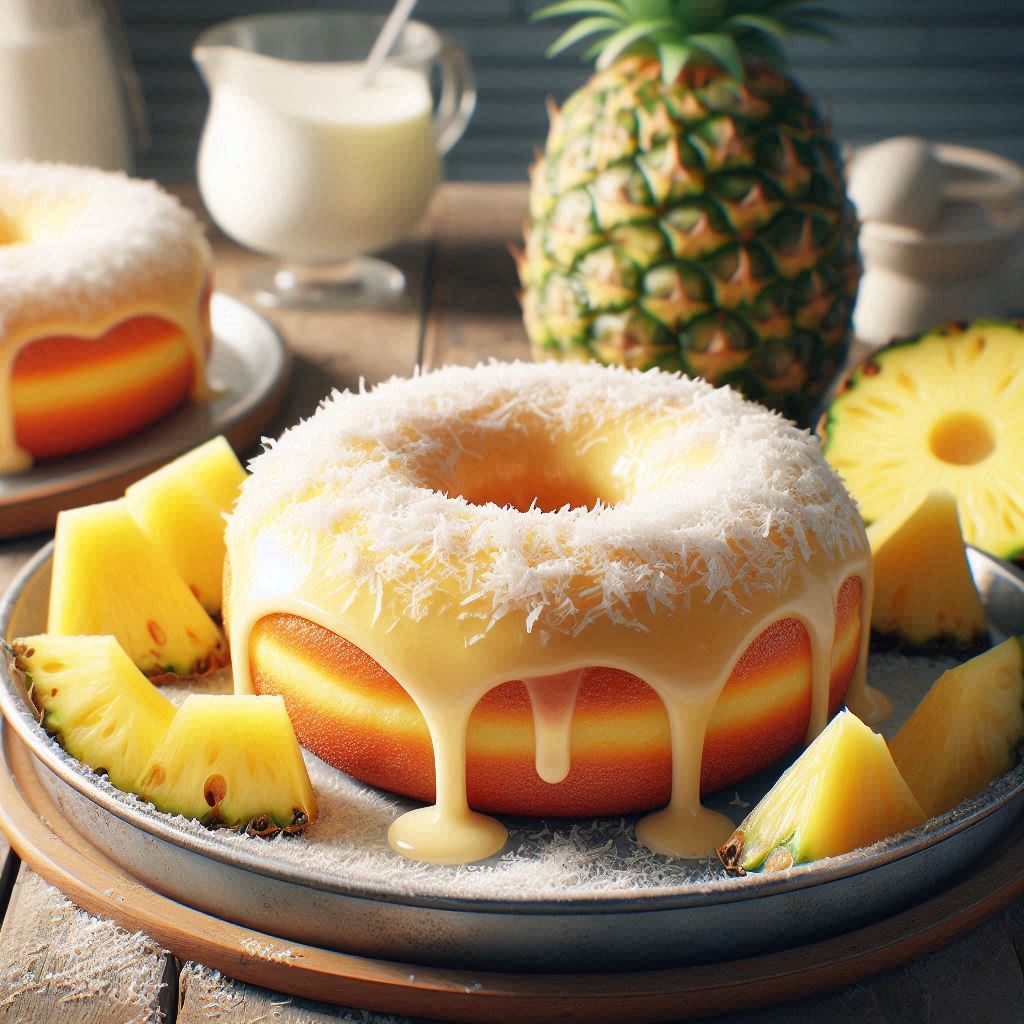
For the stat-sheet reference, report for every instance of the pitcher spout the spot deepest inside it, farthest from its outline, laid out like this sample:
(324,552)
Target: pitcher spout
(216,63)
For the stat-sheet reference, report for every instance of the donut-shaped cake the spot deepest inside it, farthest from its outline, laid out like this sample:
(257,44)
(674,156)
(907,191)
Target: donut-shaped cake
(548,589)
(104,309)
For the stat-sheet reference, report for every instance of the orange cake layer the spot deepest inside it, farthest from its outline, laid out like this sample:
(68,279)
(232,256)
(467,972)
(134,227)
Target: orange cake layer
(354,715)
(71,393)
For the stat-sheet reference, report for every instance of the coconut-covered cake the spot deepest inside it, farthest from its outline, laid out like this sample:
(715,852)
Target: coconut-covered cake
(545,589)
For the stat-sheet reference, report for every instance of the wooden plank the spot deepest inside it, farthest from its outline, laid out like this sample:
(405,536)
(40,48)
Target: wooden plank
(474,310)
(946,986)
(58,965)
(978,977)
(209,997)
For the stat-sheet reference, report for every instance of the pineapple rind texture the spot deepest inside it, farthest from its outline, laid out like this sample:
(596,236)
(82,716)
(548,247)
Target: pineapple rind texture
(700,226)
(231,761)
(109,578)
(842,793)
(960,388)
(966,731)
(101,708)
(924,596)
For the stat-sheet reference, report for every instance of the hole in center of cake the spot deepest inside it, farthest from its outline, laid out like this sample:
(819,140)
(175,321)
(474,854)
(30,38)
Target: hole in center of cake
(549,492)
(38,220)
(527,471)
(10,234)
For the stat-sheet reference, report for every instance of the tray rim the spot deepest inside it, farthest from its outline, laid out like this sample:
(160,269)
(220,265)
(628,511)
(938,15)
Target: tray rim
(725,890)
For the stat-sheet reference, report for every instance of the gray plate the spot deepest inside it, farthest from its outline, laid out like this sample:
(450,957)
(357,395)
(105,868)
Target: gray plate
(248,370)
(693,914)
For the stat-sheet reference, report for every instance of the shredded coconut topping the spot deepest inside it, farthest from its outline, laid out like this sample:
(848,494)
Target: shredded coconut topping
(77,242)
(714,496)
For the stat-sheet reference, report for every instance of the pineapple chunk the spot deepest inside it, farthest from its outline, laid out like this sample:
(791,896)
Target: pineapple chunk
(100,707)
(964,734)
(232,761)
(945,410)
(924,591)
(843,792)
(180,508)
(216,471)
(109,578)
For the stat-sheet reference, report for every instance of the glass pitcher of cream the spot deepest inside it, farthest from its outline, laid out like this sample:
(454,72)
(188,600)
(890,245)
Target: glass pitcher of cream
(304,160)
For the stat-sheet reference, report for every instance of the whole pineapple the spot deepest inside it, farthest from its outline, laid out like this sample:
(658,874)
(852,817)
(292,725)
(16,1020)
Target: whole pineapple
(689,211)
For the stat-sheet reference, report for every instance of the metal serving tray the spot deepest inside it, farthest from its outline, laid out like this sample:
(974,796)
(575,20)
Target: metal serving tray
(682,920)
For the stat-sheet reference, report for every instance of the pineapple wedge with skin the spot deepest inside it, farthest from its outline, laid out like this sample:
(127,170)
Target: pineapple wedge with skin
(181,507)
(966,731)
(99,706)
(843,792)
(924,592)
(109,578)
(944,410)
(231,761)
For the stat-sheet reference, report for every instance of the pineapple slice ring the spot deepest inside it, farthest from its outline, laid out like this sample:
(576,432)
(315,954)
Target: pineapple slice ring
(943,411)
(104,287)
(409,550)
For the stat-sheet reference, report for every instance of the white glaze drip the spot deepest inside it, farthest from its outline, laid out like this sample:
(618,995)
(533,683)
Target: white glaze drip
(685,828)
(553,699)
(869,704)
(447,832)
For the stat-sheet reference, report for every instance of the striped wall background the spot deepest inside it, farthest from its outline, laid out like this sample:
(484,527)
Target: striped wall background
(945,69)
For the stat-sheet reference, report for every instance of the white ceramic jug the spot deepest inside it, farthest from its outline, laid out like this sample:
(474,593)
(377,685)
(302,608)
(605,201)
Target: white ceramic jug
(62,84)
(304,160)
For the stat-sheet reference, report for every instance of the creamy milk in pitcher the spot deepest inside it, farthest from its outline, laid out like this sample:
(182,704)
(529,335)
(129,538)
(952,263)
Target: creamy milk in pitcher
(302,158)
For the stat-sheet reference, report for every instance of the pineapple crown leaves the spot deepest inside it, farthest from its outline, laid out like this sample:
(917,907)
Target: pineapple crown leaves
(687,32)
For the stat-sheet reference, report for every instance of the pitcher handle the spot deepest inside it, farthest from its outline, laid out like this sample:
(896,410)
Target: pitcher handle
(458,96)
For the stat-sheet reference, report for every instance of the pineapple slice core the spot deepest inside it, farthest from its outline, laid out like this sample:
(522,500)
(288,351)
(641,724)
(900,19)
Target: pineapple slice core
(842,793)
(100,707)
(109,578)
(962,439)
(924,591)
(965,732)
(232,761)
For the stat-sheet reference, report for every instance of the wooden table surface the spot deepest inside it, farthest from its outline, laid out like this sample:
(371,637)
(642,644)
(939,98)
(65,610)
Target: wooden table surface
(59,965)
